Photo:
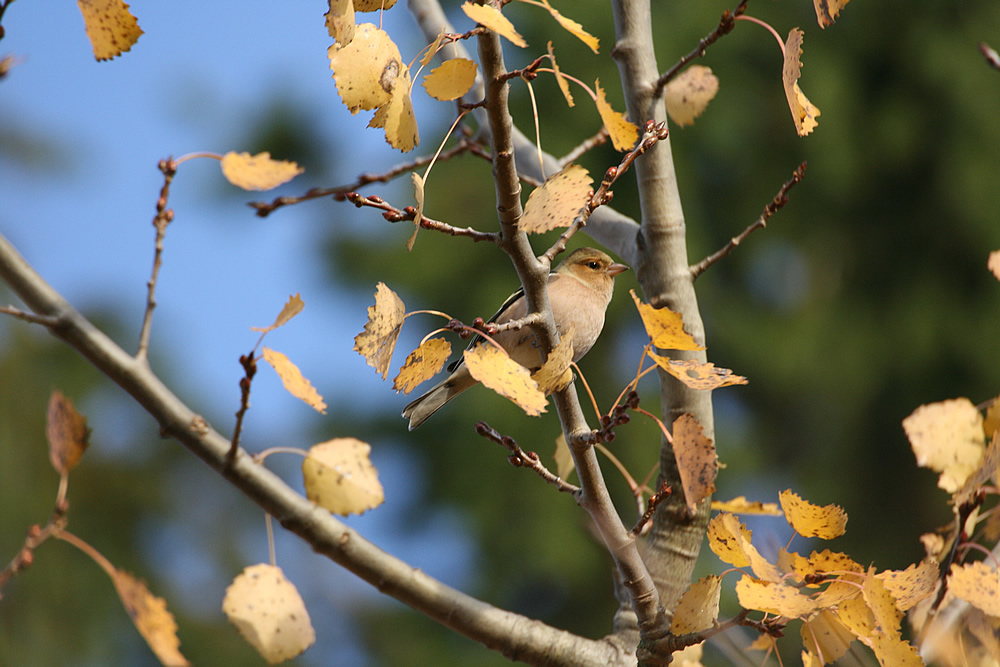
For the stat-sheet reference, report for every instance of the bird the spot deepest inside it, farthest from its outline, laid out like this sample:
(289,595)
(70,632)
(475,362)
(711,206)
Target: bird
(580,290)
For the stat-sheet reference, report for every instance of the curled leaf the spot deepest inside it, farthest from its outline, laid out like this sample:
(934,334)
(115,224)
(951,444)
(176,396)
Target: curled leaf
(67,433)
(698,375)
(292,307)
(378,340)
(257,172)
(804,113)
(574,28)
(560,79)
(828,10)
(623,133)
(490,17)
(740,505)
(151,618)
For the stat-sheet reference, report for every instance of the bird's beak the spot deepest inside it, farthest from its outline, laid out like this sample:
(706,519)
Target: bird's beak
(616,268)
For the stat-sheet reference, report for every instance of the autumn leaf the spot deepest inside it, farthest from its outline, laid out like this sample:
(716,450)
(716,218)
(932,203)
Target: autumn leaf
(269,613)
(365,71)
(726,536)
(110,26)
(257,172)
(824,634)
(432,50)
(373,5)
(67,433)
(573,28)
(689,93)
(810,520)
(555,373)
(339,476)
(563,458)
(828,10)
(698,608)
(291,377)
(773,598)
(910,586)
(423,363)
(986,470)
(740,505)
(698,375)
(557,202)
(977,584)
(491,18)
(881,603)
(506,377)
(890,649)
(947,437)
(398,118)
(378,340)
(697,461)
(562,81)
(450,80)
(340,21)
(151,618)
(293,307)
(991,420)
(623,133)
(803,112)
(665,327)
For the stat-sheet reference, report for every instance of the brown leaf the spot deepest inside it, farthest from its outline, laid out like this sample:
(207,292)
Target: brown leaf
(423,363)
(697,461)
(67,432)
(557,202)
(506,377)
(292,307)
(804,113)
(111,28)
(257,172)
(151,618)
(339,476)
(293,380)
(385,319)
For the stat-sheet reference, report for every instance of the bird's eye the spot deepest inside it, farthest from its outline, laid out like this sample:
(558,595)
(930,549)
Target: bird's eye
(594,265)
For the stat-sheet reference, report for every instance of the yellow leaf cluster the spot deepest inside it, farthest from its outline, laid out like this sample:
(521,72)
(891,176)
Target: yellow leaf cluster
(697,460)
(422,364)
(339,476)
(269,613)
(689,93)
(67,433)
(378,340)
(665,327)
(804,113)
(110,26)
(293,380)
(557,202)
(257,172)
(563,458)
(151,618)
(490,17)
(623,133)
(496,370)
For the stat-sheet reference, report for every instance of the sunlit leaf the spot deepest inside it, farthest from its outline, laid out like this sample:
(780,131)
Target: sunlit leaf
(689,93)
(774,598)
(506,377)
(67,433)
(740,505)
(828,10)
(339,476)
(558,201)
(665,327)
(257,172)
(697,460)
(373,5)
(882,604)
(947,437)
(573,28)
(432,50)
(366,70)
(110,26)
(451,79)
(804,113)
(696,374)
(911,585)
(292,307)
(293,380)
(340,21)
(423,363)
(560,79)
(151,618)
(491,18)
(378,340)
(555,373)
(976,583)
(698,608)
(824,634)
(269,613)
(810,520)
(726,537)
(623,133)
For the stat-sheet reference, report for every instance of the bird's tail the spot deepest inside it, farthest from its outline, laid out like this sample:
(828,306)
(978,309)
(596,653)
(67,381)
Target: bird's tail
(422,408)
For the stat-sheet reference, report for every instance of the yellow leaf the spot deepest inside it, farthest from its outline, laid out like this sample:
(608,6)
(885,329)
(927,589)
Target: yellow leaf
(555,374)
(151,618)
(111,28)
(491,18)
(911,585)
(432,50)
(366,70)
(373,5)
(292,308)
(993,263)
(269,613)
(810,520)
(697,461)
(977,584)
(573,27)
(810,659)
(991,422)
(774,598)
(825,562)
(563,458)
(295,383)
(827,11)
(665,327)
(257,172)
(740,505)
(506,377)
(698,608)
(560,79)
(400,121)
(422,364)
(985,471)
(947,437)
(824,634)
(339,477)
(882,604)
(450,80)
(378,340)
(340,21)
(623,133)
(689,93)
(726,536)
(698,375)
(892,650)
(855,614)
(67,433)
(803,112)
(557,201)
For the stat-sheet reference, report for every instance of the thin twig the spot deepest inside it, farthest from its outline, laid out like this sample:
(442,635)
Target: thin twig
(654,502)
(249,364)
(778,202)
(726,25)
(29,317)
(593,142)
(522,459)
(393,214)
(160,221)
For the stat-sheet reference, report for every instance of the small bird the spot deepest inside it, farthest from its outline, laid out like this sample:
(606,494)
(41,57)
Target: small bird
(579,292)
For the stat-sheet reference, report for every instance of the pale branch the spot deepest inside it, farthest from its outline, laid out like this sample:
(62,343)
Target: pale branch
(511,634)
(726,25)
(162,218)
(27,317)
(522,459)
(393,214)
(493,328)
(772,207)
(340,192)
(586,145)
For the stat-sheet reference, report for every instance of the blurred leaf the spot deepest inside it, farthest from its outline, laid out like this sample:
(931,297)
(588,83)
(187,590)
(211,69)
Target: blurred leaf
(740,505)
(257,172)
(293,380)
(698,608)
(269,613)
(67,433)
(828,10)
(292,308)
(697,460)
(557,202)
(948,438)
(451,79)
(339,477)
(151,617)
(340,21)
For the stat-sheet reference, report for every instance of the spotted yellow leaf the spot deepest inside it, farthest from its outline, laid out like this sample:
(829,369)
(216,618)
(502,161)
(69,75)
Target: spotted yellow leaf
(623,133)
(772,597)
(257,172)
(340,21)
(697,461)
(740,505)
(292,307)
(726,536)
(810,520)
(366,70)
(506,377)
(804,113)
(151,617)
(689,93)
(698,608)
(373,5)
(665,327)
(573,28)
(948,438)
(397,117)
(557,201)
(378,340)
(293,380)
(560,79)
(555,373)
(67,433)
(977,584)
(423,363)
(269,613)
(339,476)
(910,586)
(698,375)
(491,18)
(451,79)
(110,26)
